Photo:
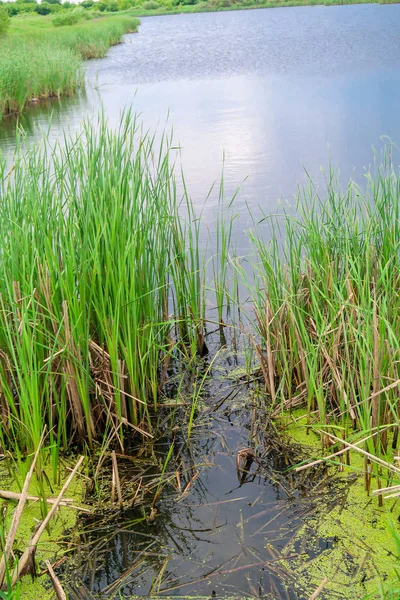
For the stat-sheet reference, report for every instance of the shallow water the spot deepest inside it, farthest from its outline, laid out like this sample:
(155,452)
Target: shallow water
(227,535)
(275,92)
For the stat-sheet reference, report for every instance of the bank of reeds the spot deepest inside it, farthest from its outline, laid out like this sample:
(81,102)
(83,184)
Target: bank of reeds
(100,289)
(39,62)
(327,311)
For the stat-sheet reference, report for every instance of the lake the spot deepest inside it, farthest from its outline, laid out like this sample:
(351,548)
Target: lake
(269,94)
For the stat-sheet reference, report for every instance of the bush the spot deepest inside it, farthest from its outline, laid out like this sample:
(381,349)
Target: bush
(43,9)
(12,9)
(151,5)
(123,4)
(69,18)
(4,20)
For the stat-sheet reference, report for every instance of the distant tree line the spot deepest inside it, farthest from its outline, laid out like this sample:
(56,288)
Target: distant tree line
(55,6)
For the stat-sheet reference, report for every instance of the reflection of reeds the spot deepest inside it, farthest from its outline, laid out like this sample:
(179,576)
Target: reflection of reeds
(100,286)
(327,311)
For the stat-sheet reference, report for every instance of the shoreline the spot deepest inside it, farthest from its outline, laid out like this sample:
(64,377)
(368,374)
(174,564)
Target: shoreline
(61,50)
(197,9)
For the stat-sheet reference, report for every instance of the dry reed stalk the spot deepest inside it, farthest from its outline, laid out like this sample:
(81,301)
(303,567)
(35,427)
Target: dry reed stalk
(65,502)
(122,380)
(18,514)
(27,557)
(270,358)
(319,589)
(371,457)
(61,595)
(376,371)
(340,452)
(387,388)
(116,480)
(72,388)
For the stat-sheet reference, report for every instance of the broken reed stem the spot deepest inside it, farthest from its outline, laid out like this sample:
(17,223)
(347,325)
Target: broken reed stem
(340,452)
(61,595)
(371,457)
(18,513)
(25,558)
(6,495)
(319,589)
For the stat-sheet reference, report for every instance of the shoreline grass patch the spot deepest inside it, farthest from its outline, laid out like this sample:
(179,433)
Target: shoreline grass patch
(327,313)
(39,61)
(101,289)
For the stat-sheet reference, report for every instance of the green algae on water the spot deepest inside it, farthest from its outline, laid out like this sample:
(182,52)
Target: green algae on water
(349,542)
(54,543)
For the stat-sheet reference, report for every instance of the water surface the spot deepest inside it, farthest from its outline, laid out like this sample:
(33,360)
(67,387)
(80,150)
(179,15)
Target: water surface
(270,93)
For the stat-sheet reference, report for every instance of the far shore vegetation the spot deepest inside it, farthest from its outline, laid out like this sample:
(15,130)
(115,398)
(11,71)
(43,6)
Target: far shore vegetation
(146,7)
(41,57)
(42,46)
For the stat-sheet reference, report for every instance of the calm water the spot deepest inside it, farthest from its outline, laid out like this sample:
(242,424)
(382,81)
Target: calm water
(274,91)
(227,536)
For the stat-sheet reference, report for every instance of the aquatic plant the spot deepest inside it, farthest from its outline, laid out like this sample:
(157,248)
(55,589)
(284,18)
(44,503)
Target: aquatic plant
(39,62)
(100,287)
(327,313)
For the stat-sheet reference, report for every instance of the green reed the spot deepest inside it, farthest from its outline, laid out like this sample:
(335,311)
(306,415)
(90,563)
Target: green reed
(327,309)
(39,61)
(100,287)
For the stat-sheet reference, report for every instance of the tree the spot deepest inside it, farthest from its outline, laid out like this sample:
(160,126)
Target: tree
(4,20)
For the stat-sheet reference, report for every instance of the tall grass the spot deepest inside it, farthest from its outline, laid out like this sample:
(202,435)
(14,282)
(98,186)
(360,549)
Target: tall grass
(100,285)
(327,310)
(38,62)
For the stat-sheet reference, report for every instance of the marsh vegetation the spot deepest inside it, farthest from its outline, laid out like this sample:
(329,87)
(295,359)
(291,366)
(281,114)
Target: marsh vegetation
(106,339)
(211,395)
(39,61)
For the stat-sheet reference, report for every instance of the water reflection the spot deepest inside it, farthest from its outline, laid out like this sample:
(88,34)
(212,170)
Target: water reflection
(228,534)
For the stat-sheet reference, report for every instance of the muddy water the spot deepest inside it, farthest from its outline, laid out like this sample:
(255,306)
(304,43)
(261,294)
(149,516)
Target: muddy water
(222,531)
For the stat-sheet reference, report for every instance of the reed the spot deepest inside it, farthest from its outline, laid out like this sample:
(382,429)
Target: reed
(100,287)
(39,61)
(327,310)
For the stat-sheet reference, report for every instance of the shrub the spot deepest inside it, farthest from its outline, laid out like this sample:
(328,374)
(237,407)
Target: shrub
(4,20)
(123,4)
(12,9)
(43,9)
(112,6)
(69,18)
(151,5)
